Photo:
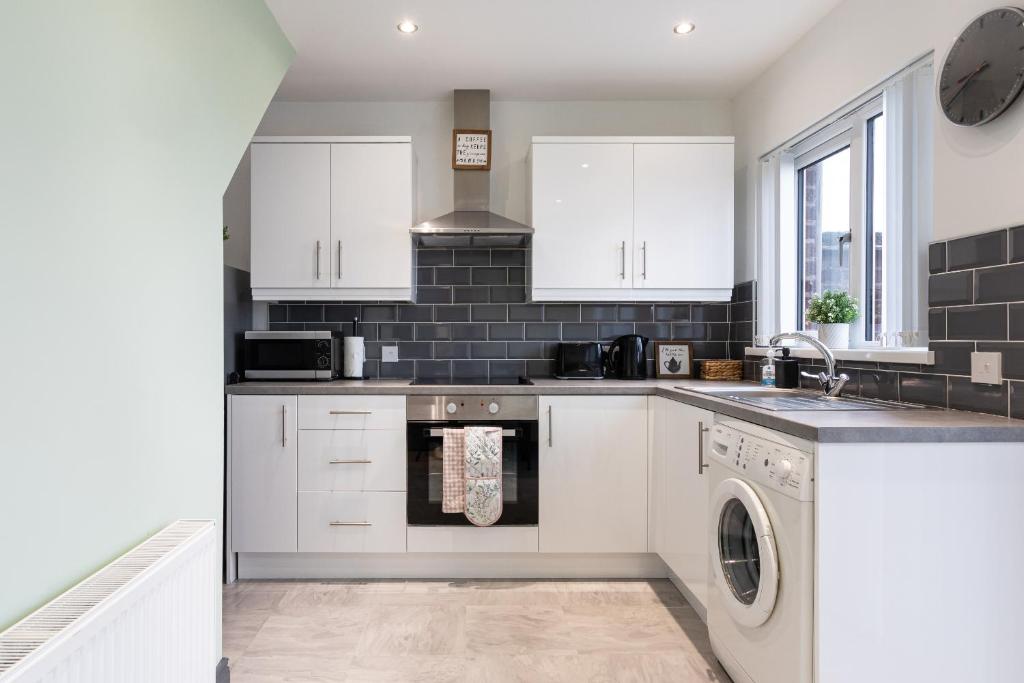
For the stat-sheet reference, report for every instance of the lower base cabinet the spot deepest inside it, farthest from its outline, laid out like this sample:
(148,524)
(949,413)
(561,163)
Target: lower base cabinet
(593,474)
(352,522)
(678,530)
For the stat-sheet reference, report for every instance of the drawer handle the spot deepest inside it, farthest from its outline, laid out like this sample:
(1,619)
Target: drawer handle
(351,462)
(350,524)
(350,412)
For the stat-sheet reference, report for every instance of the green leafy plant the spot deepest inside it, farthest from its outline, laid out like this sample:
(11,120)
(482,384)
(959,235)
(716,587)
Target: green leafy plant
(832,307)
(227,234)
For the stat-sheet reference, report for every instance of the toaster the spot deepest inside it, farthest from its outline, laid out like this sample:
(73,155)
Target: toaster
(583,360)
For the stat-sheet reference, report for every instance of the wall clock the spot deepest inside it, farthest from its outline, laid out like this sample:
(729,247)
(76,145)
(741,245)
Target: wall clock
(984,69)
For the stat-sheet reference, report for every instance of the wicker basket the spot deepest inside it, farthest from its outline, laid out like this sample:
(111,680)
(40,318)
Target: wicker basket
(722,370)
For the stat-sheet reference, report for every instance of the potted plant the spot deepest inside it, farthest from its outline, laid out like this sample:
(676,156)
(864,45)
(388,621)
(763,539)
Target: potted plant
(833,312)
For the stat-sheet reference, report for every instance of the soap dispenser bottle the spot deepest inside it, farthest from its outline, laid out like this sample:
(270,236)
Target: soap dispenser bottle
(768,369)
(787,371)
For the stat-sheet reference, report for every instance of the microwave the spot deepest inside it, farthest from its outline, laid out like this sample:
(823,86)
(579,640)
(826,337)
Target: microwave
(292,355)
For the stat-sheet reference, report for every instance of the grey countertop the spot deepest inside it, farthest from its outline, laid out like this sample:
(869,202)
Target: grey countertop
(874,426)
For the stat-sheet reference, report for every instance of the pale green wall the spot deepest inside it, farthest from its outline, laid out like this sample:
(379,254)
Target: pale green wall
(122,122)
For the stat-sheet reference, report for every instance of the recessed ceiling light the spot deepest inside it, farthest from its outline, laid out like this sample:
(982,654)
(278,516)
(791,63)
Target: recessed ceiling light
(408,27)
(683,28)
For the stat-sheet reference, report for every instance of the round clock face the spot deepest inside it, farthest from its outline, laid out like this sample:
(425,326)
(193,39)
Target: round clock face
(984,70)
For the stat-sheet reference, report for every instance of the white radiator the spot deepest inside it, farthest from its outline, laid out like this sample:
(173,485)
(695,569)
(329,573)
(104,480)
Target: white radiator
(150,616)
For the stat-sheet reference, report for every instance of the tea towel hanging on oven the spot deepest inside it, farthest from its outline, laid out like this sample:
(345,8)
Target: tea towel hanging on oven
(453,471)
(483,498)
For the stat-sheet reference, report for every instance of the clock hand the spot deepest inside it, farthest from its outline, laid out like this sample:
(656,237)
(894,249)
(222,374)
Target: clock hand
(965,81)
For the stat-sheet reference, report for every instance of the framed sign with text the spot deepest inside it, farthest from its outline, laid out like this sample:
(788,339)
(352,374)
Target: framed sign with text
(471,149)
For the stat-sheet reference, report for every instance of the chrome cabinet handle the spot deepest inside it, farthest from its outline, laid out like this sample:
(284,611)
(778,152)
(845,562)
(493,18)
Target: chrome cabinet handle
(349,524)
(284,426)
(318,259)
(351,462)
(339,259)
(622,270)
(550,429)
(350,412)
(643,249)
(701,429)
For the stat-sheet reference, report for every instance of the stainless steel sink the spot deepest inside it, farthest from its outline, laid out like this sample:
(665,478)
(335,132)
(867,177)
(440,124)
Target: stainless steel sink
(792,399)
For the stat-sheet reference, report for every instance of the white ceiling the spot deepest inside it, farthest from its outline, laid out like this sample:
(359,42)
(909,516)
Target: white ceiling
(535,49)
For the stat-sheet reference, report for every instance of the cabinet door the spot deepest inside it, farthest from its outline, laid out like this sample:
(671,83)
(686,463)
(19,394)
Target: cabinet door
(593,474)
(683,236)
(263,472)
(582,216)
(684,493)
(657,485)
(291,215)
(371,213)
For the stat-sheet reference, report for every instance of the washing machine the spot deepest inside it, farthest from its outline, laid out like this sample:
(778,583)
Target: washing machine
(761,534)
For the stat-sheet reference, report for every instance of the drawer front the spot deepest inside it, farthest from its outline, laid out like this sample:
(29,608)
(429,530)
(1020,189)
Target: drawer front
(351,412)
(464,539)
(351,460)
(350,522)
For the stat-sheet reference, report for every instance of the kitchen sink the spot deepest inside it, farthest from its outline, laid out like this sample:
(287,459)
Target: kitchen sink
(793,399)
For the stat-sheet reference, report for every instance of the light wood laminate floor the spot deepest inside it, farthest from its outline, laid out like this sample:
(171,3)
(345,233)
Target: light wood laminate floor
(522,631)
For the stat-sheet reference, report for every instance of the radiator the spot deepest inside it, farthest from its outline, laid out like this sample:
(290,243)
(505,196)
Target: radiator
(150,616)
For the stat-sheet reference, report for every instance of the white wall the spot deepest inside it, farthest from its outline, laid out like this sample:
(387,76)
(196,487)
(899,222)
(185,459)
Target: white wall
(122,122)
(430,125)
(977,171)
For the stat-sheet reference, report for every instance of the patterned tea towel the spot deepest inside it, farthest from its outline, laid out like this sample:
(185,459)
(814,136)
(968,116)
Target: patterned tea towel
(453,478)
(483,475)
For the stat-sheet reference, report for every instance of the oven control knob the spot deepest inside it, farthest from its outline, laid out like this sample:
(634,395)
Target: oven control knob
(784,469)
(451,408)
(493,408)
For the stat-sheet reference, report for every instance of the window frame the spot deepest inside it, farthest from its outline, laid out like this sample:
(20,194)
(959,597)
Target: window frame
(848,131)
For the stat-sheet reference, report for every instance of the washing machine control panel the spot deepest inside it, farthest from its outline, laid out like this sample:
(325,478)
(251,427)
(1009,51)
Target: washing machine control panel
(770,464)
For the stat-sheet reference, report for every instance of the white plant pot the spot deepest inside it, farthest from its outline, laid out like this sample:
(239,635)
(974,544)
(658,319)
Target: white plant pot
(834,335)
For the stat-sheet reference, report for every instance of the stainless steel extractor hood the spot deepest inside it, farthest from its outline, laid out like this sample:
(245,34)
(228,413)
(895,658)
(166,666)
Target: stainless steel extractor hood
(472,223)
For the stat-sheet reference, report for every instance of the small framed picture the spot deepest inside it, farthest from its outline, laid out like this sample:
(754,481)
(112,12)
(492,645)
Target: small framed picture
(673,359)
(471,149)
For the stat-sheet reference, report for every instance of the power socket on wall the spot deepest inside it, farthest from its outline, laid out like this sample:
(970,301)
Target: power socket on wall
(986,368)
(389,354)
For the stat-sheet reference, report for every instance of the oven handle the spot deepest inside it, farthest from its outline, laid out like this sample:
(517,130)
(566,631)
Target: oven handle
(440,432)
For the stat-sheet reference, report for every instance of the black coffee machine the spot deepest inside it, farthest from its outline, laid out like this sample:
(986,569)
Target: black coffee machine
(627,358)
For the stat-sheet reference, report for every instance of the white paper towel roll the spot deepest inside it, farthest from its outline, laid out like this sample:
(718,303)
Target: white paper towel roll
(355,356)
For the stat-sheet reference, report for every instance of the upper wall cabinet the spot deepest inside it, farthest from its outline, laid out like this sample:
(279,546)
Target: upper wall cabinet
(331,218)
(632,219)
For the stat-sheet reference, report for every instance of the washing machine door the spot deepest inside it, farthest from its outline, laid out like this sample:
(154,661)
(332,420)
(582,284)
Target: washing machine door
(744,561)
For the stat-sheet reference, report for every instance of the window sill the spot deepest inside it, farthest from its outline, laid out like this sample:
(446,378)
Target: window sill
(919,356)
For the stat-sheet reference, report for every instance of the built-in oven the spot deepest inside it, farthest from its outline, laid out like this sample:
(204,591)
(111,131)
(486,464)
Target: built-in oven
(311,354)
(428,416)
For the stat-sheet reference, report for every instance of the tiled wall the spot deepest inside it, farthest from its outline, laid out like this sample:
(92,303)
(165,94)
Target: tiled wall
(976,303)
(742,316)
(472,320)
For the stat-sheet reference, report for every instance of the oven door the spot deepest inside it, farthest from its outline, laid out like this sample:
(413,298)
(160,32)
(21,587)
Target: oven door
(518,474)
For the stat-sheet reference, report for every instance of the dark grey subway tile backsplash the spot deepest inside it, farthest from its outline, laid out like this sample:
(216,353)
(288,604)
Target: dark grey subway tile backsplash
(471,319)
(976,299)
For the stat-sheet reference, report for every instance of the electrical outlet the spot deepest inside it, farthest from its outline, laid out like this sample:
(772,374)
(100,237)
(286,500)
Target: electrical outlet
(986,368)
(389,354)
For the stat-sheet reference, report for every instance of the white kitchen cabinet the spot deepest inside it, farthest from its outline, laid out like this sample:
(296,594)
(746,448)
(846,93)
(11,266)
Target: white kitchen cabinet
(678,529)
(331,218)
(351,522)
(290,225)
(683,213)
(632,218)
(582,217)
(263,473)
(593,474)
(352,460)
(371,251)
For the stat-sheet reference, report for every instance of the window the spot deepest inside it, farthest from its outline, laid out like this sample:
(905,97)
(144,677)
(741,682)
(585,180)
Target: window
(846,207)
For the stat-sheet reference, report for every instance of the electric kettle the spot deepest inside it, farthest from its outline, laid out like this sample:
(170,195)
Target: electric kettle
(627,357)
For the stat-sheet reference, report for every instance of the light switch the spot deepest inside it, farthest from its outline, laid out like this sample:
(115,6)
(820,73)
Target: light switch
(986,368)
(389,354)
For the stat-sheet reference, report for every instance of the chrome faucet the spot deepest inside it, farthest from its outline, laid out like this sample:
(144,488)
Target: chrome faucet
(831,384)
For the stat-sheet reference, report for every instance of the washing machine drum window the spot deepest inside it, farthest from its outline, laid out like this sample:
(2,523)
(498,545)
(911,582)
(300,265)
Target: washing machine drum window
(737,546)
(747,567)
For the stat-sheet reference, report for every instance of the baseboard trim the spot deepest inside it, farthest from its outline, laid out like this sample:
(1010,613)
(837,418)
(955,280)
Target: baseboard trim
(223,671)
(450,566)
(700,609)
